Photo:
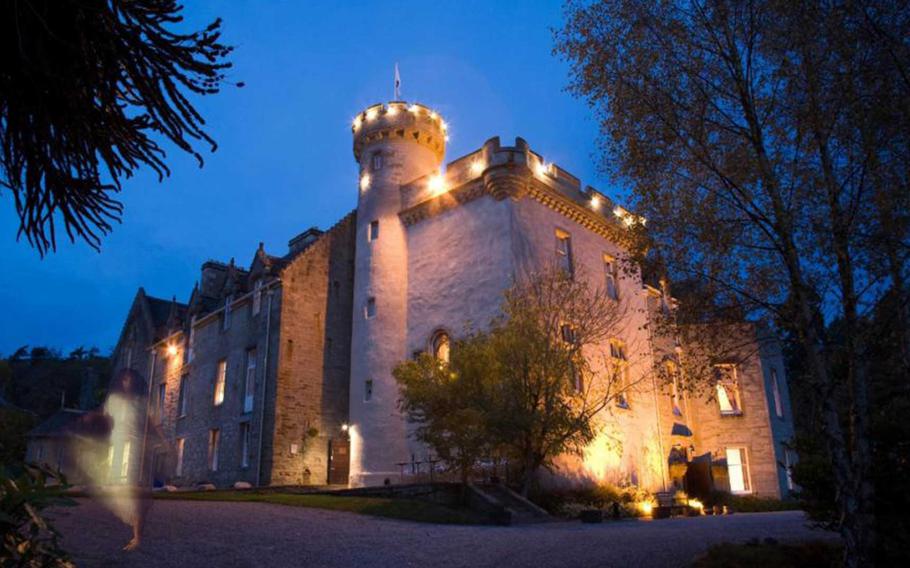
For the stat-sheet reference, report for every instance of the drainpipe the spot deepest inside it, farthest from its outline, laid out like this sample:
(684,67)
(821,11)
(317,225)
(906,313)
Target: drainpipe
(148,399)
(265,383)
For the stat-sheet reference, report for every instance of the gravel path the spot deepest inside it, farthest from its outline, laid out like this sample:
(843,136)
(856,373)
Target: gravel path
(186,533)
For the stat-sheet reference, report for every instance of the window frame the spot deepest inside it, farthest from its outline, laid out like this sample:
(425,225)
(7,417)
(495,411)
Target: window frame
(183,396)
(218,395)
(249,381)
(611,277)
(245,440)
(214,443)
(377,161)
(737,407)
(256,305)
(619,358)
(370,308)
(373,231)
(745,474)
(368,390)
(181,447)
(775,394)
(565,258)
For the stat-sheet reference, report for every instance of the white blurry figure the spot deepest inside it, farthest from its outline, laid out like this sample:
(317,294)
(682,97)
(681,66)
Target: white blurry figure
(112,442)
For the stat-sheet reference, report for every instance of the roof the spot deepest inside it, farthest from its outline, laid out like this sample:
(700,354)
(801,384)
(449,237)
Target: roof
(60,423)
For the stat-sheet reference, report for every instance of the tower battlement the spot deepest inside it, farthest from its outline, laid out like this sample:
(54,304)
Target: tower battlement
(413,122)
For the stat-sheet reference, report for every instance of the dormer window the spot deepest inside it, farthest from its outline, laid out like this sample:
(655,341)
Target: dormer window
(226,317)
(376,162)
(257,297)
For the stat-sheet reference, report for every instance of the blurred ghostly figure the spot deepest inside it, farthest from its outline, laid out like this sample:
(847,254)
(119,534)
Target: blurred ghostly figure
(112,443)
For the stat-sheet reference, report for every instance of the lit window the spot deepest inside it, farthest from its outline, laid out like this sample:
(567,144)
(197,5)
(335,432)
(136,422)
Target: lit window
(376,162)
(244,444)
(183,395)
(373,233)
(369,310)
(564,251)
(125,459)
(611,274)
(620,364)
(775,392)
(441,346)
(214,439)
(219,382)
(249,386)
(180,444)
(673,375)
(738,470)
(257,297)
(728,398)
(226,316)
(368,390)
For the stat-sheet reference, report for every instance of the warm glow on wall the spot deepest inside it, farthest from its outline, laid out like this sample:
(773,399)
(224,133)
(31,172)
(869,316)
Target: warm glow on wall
(603,458)
(356,122)
(542,168)
(414,108)
(393,110)
(477,167)
(171,349)
(595,202)
(372,114)
(444,125)
(646,507)
(433,115)
(437,185)
(364,182)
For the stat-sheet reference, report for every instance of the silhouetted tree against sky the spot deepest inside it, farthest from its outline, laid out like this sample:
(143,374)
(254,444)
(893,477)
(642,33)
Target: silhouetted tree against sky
(767,144)
(88,89)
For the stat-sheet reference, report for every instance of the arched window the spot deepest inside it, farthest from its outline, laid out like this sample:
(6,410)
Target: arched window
(441,344)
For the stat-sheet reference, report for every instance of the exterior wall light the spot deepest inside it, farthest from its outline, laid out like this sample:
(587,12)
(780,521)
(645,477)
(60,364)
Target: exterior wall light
(345,427)
(171,349)
(364,182)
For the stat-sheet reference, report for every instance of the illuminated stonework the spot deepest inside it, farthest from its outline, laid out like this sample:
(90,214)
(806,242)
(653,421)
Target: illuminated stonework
(429,249)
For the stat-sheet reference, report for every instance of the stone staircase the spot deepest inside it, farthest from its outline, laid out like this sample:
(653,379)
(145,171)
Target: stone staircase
(512,508)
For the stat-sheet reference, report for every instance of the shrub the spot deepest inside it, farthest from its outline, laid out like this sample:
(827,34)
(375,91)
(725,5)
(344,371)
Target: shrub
(570,502)
(750,503)
(28,539)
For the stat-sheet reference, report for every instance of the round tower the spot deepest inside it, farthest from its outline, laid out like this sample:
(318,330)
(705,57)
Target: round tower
(393,144)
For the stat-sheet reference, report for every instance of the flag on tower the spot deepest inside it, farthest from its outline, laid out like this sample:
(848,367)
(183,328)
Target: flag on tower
(397,84)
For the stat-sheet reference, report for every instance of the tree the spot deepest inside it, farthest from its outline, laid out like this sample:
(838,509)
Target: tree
(767,142)
(85,88)
(447,401)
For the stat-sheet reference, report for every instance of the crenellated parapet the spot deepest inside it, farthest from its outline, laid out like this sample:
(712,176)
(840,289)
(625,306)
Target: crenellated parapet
(412,122)
(514,172)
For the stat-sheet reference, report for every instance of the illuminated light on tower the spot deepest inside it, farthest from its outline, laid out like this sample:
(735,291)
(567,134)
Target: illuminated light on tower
(171,349)
(477,167)
(444,125)
(595,202)
(372,114)
(364,182)
(393,110)
(542,168)
(357,121)
(414,108)
(437,185)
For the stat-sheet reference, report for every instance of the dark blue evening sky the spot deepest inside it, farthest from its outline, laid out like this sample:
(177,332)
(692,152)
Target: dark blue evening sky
(284,161)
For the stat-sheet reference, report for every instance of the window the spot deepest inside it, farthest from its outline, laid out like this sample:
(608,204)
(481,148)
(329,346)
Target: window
(727,386)
(125,459)
(373,233)
(162,391)
(214,439)
(441,346)
(611,274)
(257,297)
(775,392)
(244,444)
(564,251)
(620,364)
(188,352)
(368,390)
(180,444)
(220,378)
(183,395)
(673,376)
(376,162)
(369,310)
(226,316)
(738,470)
(788,468)
(249,385)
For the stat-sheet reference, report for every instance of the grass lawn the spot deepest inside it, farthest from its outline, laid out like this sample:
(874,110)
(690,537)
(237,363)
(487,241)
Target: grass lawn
(802,555)
(403,509)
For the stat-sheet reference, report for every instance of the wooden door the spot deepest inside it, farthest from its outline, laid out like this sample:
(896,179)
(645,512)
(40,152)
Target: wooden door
(339,461)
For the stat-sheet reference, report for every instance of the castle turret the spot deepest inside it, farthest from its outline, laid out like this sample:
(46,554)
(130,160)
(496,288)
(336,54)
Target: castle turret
(393,144)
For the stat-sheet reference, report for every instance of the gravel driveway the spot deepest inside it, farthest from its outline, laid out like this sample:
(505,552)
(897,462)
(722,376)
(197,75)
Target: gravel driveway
(187,533)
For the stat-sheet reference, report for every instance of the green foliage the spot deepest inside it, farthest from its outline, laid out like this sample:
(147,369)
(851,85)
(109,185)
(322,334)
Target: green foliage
(569,502)
(755,555)
(14,425)
(402,509)
(29,539)
(750,503)
(39,378)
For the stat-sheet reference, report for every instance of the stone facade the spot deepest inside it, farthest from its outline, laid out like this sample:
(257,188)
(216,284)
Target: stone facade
(427,250)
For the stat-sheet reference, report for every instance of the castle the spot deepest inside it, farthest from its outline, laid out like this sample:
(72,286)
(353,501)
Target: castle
(280,373)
